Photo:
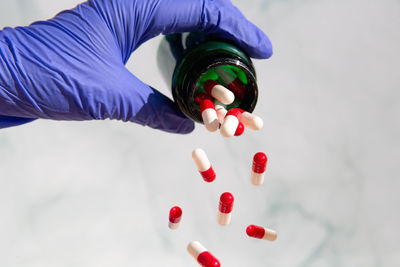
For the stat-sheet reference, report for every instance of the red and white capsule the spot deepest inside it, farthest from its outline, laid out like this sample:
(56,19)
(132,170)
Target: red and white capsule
(261,233)
(219,92)
(202,255)
(251,121)
(209,115)
(231,122)
(258,168)
(175,216)
(225,208)
(231,81)
(203,165)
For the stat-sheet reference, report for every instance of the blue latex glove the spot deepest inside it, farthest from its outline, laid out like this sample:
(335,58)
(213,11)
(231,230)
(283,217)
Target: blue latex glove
(72,67)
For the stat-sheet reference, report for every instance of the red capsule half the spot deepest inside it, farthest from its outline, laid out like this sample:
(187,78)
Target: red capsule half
(206,259)
(175,214)
(208,175)
(259,162)
(255,231)
(206,104)
(239,129)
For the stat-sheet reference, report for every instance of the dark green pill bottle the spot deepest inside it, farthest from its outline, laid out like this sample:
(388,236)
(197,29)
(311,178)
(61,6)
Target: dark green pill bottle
(188,60)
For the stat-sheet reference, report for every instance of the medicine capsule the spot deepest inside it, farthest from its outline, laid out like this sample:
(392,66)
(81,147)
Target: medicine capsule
(219,92)
(221,111)
(175,216)
(209,115)
(201,96)
(202,255)
(231,81)
(203,165)
(261,233)
(258,168)
(231,122)
(225,208)
(251,121)
(239,129)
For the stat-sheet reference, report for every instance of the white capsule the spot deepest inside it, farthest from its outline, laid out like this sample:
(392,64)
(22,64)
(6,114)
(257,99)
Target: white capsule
(224,218)
(223,94)
(251,121)
(173,226)
(221,112)
(270,235)
(219,92)
(201,160)
(229,126)
(257,178)
(210,119)
(175,216)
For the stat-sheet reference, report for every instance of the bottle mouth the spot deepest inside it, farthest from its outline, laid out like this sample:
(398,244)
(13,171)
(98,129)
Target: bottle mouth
(241,80)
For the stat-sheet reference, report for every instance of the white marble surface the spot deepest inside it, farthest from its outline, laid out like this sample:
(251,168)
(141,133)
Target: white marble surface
(98,193)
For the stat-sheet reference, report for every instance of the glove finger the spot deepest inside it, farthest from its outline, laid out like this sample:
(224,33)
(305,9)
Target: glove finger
(218,17)
(159,112)
(6,121)
(230,23)
(142,104)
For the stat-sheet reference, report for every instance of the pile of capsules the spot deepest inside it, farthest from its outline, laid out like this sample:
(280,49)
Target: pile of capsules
(197,250)
(213,105)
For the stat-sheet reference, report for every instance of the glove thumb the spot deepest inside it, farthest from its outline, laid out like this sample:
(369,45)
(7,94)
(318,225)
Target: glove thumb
(140,103)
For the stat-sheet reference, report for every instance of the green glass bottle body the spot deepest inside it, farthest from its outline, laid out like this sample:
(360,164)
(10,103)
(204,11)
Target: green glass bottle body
(187,61)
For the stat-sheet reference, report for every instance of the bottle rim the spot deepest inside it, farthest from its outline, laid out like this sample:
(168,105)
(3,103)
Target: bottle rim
(184,93)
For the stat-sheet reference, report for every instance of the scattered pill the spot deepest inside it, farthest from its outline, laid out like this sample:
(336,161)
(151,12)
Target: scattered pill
(261,233)
(202,255)
(225,208)
(231,81)
(219,92)
(231,122)
(251,121)
(239,129)
(209,115)
(258,168)
(203,165)
(175,216)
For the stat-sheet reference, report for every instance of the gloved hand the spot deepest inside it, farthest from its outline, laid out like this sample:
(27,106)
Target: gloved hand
(72,67)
